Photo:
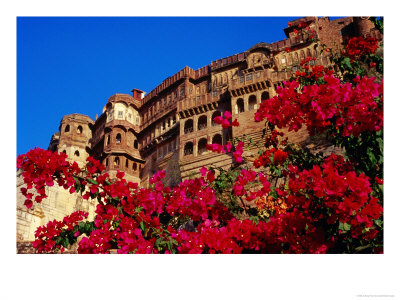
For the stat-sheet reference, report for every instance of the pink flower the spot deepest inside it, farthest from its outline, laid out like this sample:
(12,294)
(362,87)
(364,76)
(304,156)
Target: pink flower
(227,114)
(218,119)
(235,123)
(203,171)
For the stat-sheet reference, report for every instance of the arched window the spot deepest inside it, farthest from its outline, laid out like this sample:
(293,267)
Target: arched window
(202,122)
(116,162)
(217,139)
(118,138)
(76,153)
(188,126)
(201,146)
(214,115)
(126,163)
(252,102)
(108,140)
(296,57)
(106,162)
(66,128)
(188,150)
(135,144)
(134,166)
(264,96)
(302,55)
(239,106)
(79,129)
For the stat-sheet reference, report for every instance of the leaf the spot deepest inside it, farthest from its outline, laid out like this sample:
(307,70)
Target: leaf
(65,242)
(92,181)
(142,226)
(346,61)
(346,226)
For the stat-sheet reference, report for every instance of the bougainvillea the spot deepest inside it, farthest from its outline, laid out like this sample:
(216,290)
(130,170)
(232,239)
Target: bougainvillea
(292,202)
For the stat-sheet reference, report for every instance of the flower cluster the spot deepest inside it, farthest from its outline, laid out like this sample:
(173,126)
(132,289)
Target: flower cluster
(268,206)
(45,236)
(224,120)
(237,154)
(320,106)
(357,47)
(271,156)
(310,74)
(38,166)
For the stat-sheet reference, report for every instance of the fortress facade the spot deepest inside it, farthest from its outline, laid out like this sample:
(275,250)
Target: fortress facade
(169,127)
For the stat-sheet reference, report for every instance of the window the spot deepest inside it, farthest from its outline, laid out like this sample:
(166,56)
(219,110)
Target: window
(217,139)
(283,61)
(264,96)
(66,128)
(118,138)
(190,90)
(108,140)
(202,122)
(182,92)
(126,163)
(201,148)
(135,144)
(134,166)
(239,106)
(79,129)
(188,126)
(116,162)
(252,102)
(215,93)
(175,94)
(76,153)
(165,101)
(188,150)
(130,116)
(249,77)
(106,162)
(241,79)
(120,114)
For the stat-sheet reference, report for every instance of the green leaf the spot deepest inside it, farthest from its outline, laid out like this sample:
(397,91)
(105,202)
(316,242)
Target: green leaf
(65,242)
(92,181)
(346,226)
(142,226)
(346,61)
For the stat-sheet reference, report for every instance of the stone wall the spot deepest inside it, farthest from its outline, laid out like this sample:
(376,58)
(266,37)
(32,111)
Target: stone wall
(57,205)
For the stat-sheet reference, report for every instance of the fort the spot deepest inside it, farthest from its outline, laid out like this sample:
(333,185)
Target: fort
(169,127)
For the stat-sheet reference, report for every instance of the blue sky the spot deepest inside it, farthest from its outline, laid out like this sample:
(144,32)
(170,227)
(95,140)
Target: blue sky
(73,64)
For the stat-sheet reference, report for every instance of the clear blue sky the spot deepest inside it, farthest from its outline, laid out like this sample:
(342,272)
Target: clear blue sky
(71,65)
